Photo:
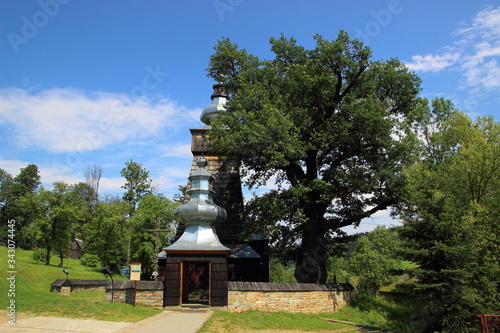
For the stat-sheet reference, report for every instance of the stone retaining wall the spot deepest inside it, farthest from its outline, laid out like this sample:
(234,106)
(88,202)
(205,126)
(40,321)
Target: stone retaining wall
(288,297)
(142,297)
(65,287)
(291,301)
(148,293)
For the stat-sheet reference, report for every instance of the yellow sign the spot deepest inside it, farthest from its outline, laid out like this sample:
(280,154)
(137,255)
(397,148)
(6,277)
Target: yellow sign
(135,271)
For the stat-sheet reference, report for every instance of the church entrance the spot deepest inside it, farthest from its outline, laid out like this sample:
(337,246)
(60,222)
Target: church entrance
(196,283)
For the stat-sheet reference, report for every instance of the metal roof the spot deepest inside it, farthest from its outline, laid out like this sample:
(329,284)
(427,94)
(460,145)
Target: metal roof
(242,251)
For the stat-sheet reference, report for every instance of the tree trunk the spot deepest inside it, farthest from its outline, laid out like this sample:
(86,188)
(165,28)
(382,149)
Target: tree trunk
(61,255)
(47,256)
(311,262)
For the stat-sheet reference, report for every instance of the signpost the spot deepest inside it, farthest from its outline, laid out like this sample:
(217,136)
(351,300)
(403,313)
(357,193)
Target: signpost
(135,275)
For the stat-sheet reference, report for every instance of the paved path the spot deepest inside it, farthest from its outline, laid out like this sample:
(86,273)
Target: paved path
(167,321)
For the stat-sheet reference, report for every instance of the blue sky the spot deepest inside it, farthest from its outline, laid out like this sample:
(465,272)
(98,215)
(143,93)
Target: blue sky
(104,82)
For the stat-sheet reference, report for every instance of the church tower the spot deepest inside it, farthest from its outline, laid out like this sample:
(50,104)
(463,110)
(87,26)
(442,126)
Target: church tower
(247,260)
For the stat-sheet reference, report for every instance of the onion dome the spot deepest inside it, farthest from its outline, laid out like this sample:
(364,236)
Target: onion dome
(200,214)
(219,99)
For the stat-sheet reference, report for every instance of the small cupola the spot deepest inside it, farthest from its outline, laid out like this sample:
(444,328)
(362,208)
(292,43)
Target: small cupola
(219,100)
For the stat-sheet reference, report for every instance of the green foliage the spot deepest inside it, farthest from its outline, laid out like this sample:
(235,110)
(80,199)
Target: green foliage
(13,192)
(374,259)
(89,260)
(333,127)
(392,311)
(338,272)
(144,222)
(281,273)
(137,184)
(39,255)
(55,214)
(451,229)
(108,233)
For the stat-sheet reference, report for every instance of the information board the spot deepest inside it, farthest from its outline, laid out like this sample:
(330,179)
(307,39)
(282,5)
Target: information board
(135,271)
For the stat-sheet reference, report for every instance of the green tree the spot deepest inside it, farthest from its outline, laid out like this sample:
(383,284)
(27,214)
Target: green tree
(137,184)
(108,233)
(57,212)
(6,182)
(450,217)
(375,258)
(150,209)
(23,185)
(333,128)
(280,273)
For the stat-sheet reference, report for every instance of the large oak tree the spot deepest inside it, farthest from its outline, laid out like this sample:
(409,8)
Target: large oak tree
(330,125)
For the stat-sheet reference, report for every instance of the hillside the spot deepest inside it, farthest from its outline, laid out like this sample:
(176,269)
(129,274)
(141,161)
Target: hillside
(32,295)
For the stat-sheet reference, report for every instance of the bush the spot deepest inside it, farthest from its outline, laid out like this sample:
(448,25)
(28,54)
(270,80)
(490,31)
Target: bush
(39,255)
(89,260)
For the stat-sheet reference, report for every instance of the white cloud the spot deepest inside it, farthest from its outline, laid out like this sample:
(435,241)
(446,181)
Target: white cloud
(433,62)
(474,53)
(13,167)
(175,150)
(48,174)
(70,120)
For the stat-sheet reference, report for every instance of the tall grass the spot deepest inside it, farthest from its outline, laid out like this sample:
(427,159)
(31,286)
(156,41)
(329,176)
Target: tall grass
(33,296)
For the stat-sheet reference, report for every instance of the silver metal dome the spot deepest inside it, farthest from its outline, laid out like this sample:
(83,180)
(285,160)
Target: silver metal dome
(219,99)
(200,214)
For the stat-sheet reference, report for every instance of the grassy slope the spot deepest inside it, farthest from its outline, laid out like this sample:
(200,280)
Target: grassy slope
(33,294)
(386,311)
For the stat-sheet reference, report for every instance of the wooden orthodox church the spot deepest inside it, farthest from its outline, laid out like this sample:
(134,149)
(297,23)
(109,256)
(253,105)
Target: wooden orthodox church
(209,250)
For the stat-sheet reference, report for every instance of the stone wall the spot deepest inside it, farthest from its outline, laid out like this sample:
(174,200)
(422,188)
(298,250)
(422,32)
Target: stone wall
(67,290)
(147,293)
(61,290)
(142,297)
(291,301)
(65,287)
(288,297)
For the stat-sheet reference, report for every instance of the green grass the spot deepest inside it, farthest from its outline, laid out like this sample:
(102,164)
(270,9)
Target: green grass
(391,311)
(257,320)
(33,296)
(385,311)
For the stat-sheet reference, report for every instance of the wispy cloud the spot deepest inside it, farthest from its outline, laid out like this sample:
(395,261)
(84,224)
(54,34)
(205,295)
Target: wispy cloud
(474,52)
(433,62)
(70,120)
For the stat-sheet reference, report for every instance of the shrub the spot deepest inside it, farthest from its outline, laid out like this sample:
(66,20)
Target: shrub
(89,260)
(39,255)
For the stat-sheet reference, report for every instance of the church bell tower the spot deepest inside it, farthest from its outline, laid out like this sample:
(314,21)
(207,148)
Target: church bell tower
(247,259)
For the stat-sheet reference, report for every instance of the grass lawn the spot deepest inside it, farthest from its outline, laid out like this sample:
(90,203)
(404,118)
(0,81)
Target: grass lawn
(33,296)
(257,320)
(386,311)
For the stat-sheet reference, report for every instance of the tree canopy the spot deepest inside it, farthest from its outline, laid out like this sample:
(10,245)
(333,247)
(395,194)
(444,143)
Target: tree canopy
(450,212)
(332,127)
